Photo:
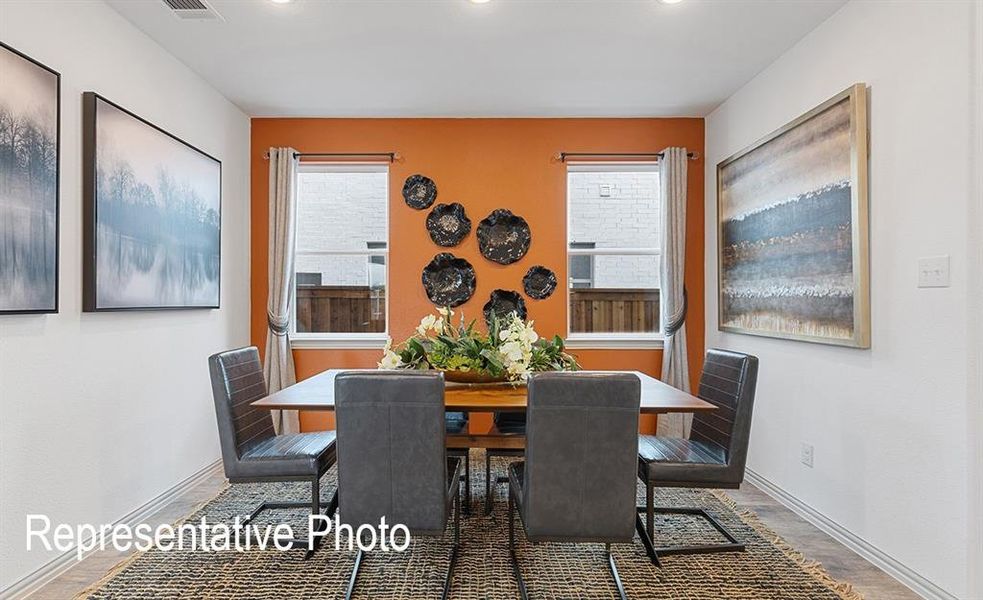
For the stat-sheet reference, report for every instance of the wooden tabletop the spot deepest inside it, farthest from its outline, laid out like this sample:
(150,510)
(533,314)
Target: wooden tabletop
(317,393)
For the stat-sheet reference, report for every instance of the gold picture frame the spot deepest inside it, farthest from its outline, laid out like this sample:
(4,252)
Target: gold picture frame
(790,265)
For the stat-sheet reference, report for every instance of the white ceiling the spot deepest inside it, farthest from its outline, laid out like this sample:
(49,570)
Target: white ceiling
(504,58)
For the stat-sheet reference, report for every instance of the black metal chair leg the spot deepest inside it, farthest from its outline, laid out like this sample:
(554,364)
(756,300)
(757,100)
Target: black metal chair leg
(318,533)
(511,512)
(732,545)
(614,572)
(281,506)
(646,540)
(649,510)
(457,519)
(488,486)
(467,484)
(449,580)
(315,505)
(354,577)
(315,539)
(516,572)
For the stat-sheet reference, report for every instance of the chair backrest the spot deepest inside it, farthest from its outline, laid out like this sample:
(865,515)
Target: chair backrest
(581,456)
(237,381)
(509,421)
(728,381)
(390,444)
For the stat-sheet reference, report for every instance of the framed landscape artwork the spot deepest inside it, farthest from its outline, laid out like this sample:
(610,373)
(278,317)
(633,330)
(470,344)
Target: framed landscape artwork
(152,215)
(30,109)
(792,229)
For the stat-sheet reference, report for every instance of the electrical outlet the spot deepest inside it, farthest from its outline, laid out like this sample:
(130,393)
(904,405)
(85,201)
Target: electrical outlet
(807,454)
(933,271)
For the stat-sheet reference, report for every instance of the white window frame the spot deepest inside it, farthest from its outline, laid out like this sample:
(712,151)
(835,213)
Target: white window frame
(348,340)
(608,341)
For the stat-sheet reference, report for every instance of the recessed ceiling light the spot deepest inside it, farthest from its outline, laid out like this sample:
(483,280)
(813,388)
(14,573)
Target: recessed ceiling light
(670,1)
(480,1)
(280,1)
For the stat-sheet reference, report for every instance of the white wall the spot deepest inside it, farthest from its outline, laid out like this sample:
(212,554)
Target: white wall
(100,413)
(974,413)
(893,463)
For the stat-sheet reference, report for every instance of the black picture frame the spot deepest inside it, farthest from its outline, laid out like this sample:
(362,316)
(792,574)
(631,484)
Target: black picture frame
(57,191)
(90,208)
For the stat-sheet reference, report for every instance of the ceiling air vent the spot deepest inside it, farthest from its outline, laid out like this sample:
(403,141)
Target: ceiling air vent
(193,9)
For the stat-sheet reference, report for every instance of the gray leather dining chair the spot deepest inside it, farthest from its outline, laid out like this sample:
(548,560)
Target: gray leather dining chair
(251,450)
(577,483)
(713,456)
(404,474)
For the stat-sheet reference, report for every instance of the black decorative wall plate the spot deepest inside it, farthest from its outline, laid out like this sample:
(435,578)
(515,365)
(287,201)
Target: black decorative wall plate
(503,237)
(539,282)
(448,280)
(419,191)
(502,303)
(448,225)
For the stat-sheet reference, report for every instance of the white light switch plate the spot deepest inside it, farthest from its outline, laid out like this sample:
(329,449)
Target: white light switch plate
(933,271)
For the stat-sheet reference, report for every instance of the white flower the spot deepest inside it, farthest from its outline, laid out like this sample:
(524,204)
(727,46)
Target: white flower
(390,360)
(426,323)
(518,371)
(446,312)
(512,351)
(438,325)
(516,345)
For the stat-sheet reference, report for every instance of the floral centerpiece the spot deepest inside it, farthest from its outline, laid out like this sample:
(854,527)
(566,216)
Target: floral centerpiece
(508,352)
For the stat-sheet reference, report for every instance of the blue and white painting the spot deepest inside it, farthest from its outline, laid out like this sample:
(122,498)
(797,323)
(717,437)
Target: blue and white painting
(790,237)
(157,217)
(28,185)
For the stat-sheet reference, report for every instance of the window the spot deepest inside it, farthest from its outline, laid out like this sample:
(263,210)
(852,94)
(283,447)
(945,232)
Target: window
(613,254)
(341,255)
(581,266)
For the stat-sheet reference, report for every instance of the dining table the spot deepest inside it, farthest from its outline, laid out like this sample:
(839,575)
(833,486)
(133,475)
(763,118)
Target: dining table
(316,393)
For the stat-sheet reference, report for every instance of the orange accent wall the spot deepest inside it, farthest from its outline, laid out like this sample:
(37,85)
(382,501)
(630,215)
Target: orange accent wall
(484,164)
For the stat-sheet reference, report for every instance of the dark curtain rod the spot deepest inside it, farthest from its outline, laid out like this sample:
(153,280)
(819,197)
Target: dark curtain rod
(563,156)
(392,156)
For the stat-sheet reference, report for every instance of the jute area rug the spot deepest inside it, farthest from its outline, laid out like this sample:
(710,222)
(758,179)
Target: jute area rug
(769,569)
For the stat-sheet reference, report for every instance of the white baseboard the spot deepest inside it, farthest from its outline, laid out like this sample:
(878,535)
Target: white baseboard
(883,561)
(30,583)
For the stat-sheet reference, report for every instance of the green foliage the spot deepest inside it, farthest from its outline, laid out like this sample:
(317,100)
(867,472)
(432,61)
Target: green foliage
(548,355)
(466,348)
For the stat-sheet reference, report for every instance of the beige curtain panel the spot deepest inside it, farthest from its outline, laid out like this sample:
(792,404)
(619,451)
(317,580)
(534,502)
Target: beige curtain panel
(278,365)
(675,367)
